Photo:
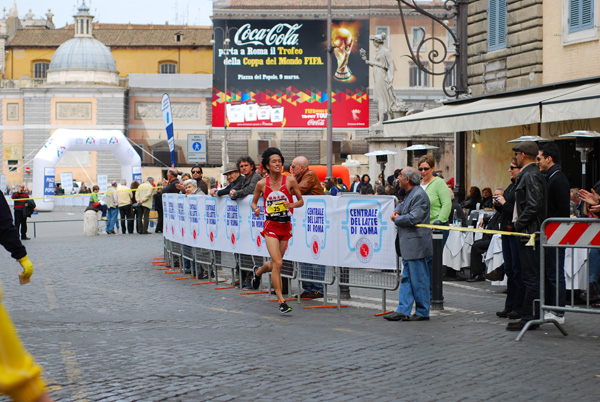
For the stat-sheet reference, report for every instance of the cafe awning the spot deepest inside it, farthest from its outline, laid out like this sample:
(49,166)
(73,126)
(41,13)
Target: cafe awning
(583,103)
(499,111)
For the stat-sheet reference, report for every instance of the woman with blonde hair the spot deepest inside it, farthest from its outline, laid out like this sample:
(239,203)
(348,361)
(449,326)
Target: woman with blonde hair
(436,190)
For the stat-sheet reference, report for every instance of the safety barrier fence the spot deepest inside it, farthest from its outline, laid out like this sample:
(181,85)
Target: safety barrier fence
(581,239)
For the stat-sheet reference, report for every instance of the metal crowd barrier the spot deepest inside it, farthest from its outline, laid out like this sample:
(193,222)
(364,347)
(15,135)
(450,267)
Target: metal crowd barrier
(212,261)
(558,234)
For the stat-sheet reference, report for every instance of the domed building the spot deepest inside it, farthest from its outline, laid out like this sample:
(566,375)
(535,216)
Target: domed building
(83,59)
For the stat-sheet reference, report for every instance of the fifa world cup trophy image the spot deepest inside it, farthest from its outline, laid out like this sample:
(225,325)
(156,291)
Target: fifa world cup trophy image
(342,40)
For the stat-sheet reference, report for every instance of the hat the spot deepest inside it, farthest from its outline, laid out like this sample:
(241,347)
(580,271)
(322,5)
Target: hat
(527,147)
(232,167)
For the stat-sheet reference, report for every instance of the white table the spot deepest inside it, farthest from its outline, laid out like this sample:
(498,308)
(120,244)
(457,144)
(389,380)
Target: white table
(494,257)
(457,251)
(576,270)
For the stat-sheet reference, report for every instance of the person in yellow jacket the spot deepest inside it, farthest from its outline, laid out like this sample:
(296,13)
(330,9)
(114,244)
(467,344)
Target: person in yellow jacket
(20,376)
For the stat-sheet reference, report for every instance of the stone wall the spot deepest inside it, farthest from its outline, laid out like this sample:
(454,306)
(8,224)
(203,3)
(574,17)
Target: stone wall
(517,66)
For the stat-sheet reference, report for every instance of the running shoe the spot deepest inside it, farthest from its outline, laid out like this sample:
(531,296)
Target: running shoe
(255,281)
(284,308)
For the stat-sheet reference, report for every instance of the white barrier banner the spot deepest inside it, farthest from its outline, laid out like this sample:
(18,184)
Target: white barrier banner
(353,231)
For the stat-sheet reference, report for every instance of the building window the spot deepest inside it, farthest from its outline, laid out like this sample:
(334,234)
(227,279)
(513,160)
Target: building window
(581,15)
(417,36)
(496,25)
(451,45)
(168,68)
(386,31)
(40,69)
(418,78)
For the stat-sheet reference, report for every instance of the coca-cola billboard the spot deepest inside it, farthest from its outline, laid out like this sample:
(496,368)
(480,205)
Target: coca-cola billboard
(277,74)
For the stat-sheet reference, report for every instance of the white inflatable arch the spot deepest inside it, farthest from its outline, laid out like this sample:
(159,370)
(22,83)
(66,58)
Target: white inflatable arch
(63,140)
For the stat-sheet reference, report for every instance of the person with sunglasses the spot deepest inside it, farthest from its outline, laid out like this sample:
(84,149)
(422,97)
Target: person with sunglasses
(512,266)
(200,183)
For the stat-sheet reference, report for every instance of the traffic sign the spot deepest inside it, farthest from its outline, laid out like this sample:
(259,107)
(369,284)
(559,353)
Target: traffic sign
(27,170)
(196,148)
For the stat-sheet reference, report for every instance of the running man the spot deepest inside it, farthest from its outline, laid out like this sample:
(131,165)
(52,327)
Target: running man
(277,190)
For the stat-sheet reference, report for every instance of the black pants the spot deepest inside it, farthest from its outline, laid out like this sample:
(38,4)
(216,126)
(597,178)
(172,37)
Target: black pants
(530,275)
(21,220)
(125,213)
(143,219)
(479,248)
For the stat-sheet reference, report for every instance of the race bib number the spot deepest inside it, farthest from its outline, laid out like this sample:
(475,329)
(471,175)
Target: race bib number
(276,208)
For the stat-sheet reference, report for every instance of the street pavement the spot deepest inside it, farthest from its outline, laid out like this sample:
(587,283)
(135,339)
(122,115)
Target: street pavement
(108,326)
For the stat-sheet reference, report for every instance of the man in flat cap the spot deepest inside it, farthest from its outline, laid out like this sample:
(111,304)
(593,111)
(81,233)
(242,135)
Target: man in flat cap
(232,173)
(528,215)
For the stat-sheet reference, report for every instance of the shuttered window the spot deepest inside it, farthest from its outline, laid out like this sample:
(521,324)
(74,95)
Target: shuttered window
(496,25)
(581,15)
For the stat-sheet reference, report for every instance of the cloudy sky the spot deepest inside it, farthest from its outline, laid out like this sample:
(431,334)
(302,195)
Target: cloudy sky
(192,12)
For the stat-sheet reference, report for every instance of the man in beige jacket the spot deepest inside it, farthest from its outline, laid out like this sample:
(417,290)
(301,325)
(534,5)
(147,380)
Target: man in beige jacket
(112,208)
(124,196)
(144,197)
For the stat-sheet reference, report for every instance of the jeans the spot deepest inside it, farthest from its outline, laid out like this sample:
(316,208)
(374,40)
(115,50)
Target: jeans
(530,275)
(594,261)
(111,218)
(552,282)
(415,287)
(512,269)
(312,271)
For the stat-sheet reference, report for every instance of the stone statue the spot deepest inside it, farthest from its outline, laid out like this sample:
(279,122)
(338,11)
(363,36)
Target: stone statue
(383,78)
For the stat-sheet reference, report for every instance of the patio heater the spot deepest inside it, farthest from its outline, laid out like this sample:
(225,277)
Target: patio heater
(382,158)
(584,144)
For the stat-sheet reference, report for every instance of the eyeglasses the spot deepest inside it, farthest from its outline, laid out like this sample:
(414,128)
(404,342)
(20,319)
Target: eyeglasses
(424,169)
(195,171)
(511,167)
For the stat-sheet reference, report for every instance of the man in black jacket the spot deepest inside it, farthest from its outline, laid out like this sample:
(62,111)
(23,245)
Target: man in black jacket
(20,215)
(557,206)
(171,182)
(529,213)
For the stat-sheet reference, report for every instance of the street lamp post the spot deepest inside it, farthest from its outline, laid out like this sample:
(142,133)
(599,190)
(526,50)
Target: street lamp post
(226,41)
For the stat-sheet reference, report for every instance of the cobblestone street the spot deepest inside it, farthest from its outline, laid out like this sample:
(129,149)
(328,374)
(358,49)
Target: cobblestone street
(108,326)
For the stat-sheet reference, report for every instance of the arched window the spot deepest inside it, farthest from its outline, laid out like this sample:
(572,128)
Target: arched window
(168,68)
(40,69)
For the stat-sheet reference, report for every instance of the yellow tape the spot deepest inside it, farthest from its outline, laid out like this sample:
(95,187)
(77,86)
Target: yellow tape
(531,236)
(77,195)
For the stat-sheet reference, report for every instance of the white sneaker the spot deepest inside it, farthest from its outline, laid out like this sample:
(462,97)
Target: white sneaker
(550,315)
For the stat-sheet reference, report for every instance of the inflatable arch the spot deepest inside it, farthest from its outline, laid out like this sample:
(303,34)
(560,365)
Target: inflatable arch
(63,140)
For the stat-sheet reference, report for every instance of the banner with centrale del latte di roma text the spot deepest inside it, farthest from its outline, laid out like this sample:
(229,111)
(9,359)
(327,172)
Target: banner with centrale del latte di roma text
(348,231)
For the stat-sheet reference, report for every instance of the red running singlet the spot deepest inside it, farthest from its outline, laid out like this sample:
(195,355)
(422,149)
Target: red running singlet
(274,209)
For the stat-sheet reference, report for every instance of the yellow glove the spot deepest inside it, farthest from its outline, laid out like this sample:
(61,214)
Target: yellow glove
(27,267)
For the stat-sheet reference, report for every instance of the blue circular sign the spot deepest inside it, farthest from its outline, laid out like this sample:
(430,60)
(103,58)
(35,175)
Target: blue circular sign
(197,146)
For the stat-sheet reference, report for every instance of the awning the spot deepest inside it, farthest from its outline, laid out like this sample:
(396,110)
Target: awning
(492,112)
(582,103)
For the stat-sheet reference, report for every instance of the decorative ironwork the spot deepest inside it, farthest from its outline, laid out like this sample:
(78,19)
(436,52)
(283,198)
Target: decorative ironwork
(435,56)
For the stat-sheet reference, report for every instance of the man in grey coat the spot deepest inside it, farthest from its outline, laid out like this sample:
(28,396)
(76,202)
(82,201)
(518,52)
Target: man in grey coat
(415,247)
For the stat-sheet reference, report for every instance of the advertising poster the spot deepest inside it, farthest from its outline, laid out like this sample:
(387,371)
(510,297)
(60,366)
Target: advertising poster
(277,74)
(49,174)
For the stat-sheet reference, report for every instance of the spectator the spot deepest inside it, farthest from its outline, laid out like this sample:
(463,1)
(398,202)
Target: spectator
(592,210)
(58,190)
(365,182)
(180,186)
(112,207)
(416,248)
(436,189)
(135,206)
(456,213)
(144,197)
(513,305)
(355,184)
(380,190)
(125,197)
(20,375)
(529,215)
(232,173)
(487,202)
(332,187)
(308,183)
(249,178)
(479,248)
(557,206)
(96,203)
(158,206)
(341,185)
(201,183)
(577,205)
(473,199)
(171,182)
(19,207)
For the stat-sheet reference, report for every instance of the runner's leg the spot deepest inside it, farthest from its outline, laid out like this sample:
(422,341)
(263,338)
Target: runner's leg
(276,250)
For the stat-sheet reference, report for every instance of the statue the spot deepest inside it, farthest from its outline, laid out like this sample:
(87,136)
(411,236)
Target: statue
(383,78)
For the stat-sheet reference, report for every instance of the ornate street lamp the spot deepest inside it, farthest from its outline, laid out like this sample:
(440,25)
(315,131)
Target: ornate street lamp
(455,8)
